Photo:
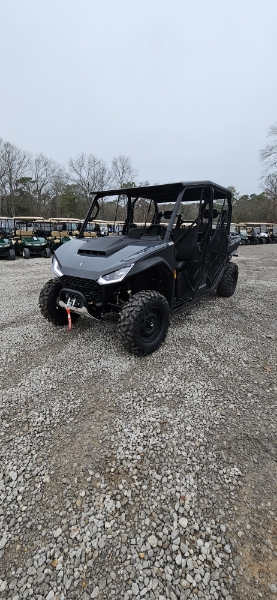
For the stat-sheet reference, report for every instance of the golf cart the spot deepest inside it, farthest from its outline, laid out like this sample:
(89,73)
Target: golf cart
(253,235)
(244,239)
(273,235)
(6,231)
(142,277)
(258,234)
(26,242)
(96,228)
(56,231)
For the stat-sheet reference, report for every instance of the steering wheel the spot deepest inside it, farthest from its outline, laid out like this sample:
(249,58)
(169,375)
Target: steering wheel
(157,229)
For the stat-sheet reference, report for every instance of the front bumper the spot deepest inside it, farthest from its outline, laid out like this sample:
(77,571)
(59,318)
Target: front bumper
(76,301)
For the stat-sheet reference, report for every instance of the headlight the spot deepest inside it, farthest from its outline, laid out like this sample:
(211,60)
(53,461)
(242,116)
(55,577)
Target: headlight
(115,276)
(56,267)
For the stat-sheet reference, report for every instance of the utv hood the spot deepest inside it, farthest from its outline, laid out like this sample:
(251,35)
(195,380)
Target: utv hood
(90,258)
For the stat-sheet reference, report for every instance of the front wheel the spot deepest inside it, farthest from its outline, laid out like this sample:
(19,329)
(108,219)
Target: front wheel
(229,280)
(26,253)
(48,304)
(47,252)
(11,254)
(144,322)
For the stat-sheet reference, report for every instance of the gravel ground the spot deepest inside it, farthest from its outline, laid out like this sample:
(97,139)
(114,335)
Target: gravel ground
(125,477)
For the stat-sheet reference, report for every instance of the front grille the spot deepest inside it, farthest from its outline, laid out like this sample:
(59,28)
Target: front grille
(89,288)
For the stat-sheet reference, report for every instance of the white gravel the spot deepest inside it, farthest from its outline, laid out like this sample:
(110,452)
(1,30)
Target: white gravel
(125,477)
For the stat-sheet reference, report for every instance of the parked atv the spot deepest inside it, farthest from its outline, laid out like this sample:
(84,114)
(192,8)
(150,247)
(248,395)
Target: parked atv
(144,276)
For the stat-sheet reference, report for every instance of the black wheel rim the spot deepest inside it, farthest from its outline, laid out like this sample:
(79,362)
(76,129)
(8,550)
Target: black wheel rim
(151,325)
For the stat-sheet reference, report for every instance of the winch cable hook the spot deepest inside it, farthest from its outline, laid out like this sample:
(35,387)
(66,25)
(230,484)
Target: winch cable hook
(69,320)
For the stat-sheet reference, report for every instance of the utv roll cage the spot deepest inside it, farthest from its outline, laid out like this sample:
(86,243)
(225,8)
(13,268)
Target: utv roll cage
(205,192)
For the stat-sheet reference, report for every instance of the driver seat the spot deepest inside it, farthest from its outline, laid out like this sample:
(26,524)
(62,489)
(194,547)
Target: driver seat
(184,244)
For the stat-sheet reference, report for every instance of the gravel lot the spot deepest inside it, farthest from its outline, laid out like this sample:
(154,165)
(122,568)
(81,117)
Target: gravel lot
(125,477)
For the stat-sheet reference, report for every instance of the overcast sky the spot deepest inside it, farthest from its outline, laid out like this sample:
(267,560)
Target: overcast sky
(186,88)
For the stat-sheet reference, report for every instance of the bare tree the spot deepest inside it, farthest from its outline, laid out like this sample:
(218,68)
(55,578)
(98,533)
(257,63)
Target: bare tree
(2,162)
(268,155)
(44,171)
(270,192)
(2,175)
(90,174)
(123,172)
(15,165)
(54,192)
(123,176)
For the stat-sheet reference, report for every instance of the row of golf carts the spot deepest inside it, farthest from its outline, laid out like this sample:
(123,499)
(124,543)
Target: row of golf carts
(27,236)
(256,233)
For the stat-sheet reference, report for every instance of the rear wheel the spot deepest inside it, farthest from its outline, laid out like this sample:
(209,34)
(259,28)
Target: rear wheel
(228,282)
(11,254)
(48,303)
(26,253)
(144,322)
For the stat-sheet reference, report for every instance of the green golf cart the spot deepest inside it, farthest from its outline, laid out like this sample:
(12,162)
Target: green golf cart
(6,247)
(25,241)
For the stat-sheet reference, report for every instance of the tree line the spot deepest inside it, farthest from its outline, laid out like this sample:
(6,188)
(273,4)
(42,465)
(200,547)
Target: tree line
(39,186)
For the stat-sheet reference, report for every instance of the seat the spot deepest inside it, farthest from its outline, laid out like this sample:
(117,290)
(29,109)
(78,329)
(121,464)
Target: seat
(90,234)
(24,233)
(184,243)
(156,229)
(137,232)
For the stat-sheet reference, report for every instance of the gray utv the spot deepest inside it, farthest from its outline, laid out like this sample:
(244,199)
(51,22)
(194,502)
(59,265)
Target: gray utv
(143,276)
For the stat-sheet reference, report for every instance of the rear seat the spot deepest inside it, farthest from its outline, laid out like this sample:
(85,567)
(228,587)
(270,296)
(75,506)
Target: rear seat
(55,236)
(90,234)
(24,233)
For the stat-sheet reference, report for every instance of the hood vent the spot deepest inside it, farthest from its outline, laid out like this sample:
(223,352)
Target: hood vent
(104,246)
(87,252)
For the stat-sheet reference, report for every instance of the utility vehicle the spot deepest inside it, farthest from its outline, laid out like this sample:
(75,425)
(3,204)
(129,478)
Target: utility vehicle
(142,277)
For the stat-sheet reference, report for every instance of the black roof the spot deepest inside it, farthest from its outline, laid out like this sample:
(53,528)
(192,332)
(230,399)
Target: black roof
(168,192)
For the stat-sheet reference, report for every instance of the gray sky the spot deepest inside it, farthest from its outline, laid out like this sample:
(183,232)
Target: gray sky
(186,88)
